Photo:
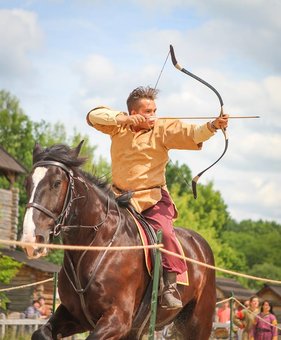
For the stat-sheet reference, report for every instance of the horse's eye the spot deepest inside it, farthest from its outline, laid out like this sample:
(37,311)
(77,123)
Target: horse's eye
(57,183)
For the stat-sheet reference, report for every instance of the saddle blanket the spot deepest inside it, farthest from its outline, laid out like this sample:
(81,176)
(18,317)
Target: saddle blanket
(182,279)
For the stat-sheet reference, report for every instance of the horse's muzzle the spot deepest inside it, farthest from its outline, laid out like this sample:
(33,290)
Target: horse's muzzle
(34,251)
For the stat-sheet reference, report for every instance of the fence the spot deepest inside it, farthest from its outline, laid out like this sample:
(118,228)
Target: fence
(159,248)
(18,327)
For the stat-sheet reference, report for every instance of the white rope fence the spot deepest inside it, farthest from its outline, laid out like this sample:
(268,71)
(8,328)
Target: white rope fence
(220,269)
(156,246)
(26,285)
(74,247)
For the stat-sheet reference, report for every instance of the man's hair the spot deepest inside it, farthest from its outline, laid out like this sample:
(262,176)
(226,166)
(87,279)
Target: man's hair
(140,93)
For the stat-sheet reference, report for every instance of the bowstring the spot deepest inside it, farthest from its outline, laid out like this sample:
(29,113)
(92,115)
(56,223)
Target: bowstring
(188,185)
(162,69)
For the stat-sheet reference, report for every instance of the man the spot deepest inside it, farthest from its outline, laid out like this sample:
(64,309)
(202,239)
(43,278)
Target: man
(139,155)
(245,319)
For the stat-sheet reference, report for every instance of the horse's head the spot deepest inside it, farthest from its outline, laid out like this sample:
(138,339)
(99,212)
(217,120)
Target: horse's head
(49,188)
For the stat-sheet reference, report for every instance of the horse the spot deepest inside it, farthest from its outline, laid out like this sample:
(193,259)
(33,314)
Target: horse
(102,291)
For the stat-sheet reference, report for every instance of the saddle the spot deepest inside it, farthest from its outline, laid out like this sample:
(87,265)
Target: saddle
(143,313)
(148,237)
(123,200)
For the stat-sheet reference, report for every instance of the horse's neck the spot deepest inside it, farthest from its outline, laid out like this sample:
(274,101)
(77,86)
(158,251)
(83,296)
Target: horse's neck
(88,214)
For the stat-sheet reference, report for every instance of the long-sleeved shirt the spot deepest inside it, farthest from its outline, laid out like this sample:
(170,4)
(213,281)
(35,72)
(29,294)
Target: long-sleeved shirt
(139,158)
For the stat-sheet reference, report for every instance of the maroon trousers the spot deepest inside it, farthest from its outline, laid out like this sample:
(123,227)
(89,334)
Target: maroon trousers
(160,216)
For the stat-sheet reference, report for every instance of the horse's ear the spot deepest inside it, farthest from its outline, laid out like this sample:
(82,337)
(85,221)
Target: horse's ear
(36,150)
(77,150)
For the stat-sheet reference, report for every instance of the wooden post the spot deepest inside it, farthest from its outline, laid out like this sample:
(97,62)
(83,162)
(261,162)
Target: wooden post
(55,291)
(231,316)
(154,298)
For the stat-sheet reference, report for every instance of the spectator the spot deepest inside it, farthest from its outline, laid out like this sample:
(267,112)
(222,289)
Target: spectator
(223,313)
(265,323)
(247,303)
(33,312)
(44,309)
(245,319)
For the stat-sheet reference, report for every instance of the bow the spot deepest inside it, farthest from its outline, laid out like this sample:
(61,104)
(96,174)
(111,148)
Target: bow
(180,68)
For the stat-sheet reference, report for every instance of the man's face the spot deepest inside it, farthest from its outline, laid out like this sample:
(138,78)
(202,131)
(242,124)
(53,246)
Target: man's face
(146,108)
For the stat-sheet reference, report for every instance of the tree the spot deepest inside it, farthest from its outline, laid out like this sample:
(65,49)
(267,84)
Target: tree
(15,129)
(9,268)
(207,214)
(18,135)
(180,175)
(259,241)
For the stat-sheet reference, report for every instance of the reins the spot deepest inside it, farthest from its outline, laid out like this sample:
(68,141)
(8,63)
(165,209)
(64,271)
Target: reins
(61,227)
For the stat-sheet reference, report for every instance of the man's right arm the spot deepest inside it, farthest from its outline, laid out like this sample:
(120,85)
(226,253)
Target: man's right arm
(104,116)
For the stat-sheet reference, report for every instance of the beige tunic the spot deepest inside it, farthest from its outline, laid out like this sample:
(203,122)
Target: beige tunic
(139,158)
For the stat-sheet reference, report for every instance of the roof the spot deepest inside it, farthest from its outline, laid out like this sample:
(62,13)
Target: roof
(38,264)
(8,162)
(230,286)
(274,288)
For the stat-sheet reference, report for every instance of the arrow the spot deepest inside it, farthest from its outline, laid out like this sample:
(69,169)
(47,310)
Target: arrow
(229,117)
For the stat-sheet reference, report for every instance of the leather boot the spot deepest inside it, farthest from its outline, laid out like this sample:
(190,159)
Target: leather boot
(170,297)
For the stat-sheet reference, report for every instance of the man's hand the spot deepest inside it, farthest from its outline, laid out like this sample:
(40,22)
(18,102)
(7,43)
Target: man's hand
(132,120)
(220,122)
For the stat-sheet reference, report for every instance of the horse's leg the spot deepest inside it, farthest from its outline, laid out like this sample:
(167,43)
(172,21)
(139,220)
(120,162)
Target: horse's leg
(195,320)
(113,325)
(61,324)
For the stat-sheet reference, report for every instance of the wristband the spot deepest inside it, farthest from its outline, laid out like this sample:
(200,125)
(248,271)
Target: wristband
(213,126)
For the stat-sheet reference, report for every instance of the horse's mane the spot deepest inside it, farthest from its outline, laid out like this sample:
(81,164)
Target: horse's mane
(64,154)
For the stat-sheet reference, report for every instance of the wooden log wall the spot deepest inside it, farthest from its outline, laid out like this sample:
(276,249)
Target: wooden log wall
(9,213)
(21,298)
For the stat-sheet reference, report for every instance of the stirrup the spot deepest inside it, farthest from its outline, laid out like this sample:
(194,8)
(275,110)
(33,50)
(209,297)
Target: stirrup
(169,301)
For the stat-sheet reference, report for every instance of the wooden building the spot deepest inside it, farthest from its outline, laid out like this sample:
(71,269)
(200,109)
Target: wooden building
(273,294)
(31,271)
(226,287)
(10,168)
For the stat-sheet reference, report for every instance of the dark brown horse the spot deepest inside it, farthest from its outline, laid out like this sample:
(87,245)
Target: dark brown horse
(102,291)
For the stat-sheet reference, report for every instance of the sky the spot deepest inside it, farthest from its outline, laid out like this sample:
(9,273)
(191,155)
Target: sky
(62,58)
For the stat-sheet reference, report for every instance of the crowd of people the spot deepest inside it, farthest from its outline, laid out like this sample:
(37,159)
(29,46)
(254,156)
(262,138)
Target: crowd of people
(252,321)
(38,309)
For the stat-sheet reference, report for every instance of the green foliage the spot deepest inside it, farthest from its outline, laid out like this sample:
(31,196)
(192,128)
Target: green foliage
(259,241)
(15,129)
(18,135)
(9,269)
(207,215)
(179,175)
(55,256)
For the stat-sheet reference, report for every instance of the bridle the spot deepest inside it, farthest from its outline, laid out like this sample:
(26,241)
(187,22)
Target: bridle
(68,199)
(59,225)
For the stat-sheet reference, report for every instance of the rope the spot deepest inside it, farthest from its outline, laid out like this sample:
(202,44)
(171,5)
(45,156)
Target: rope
(27,285)
(222,301)
(156,246)
(72,247)
(220,269)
